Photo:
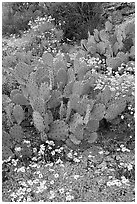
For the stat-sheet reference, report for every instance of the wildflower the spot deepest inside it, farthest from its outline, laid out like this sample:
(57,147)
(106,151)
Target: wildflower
(29,190)
(69,197)
(26,141)
(56,175)
(76,160)
(52,182)
(122,117)
(34,159)
(40,176)
(124,180)
(34,150)
(28,199)
(22,169)
(129,167)
(23,183)
(76,177)
(13,195)
(36,181)
(59,161)
(69,155)
(53,153)
(14,162)
(30,182)
(17,149)
(61,190)
(52,194)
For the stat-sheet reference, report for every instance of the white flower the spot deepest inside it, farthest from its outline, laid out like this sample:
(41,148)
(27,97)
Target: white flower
(124,180)
(17,149)
(22,169)
(28,199)
(76,160)
(34,150)
(56,175)
(53,153)
(52,194)
(69,155)
(61,190)
(52,182)
(129,167)
(13,195)
(76,177)
(28,190)
(69,197)
(36,181)
(30,182)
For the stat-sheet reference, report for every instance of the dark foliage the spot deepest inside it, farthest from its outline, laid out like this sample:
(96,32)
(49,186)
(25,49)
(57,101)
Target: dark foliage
(77,18)
(16,16)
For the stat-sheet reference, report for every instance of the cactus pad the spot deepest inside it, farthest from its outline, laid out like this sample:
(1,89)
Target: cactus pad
(98,111)
(115,109)
(74,139)
(16,132)
(38,105)
(93,137)
(6,139)
(20,99)
(92,125)
(58,130)
(38,121)
(55,99)
(6,153)
(18,114)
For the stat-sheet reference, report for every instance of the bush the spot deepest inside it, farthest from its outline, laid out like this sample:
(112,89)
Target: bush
(16,16)
(76,18)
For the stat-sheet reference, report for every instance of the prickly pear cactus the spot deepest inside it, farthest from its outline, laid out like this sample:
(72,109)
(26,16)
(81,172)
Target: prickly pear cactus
(105,96)
(73,139)
(47,59)
(44,91)
(71,75)
(9,109)
(72,145)
(22,71)
(38,121)
(18,114)
(68,89)
(92,125)
(38,104)
(42,74)
(20,99)
(79,131)
(61,77)
(93,137)
(59,63)
(6,153)
(62,111)
(32,87)
(16,133)
(98,111)
(14,92)
(75,121)
(6,139)
(46,121)
(55,99)
(58,130)
(115,109)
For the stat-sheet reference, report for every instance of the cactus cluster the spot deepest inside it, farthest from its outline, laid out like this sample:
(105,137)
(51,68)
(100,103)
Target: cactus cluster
(66,102)
(45,87)
(111,42)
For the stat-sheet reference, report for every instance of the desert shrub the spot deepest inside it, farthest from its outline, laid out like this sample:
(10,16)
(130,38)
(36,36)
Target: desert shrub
(16,16)
(76,18)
